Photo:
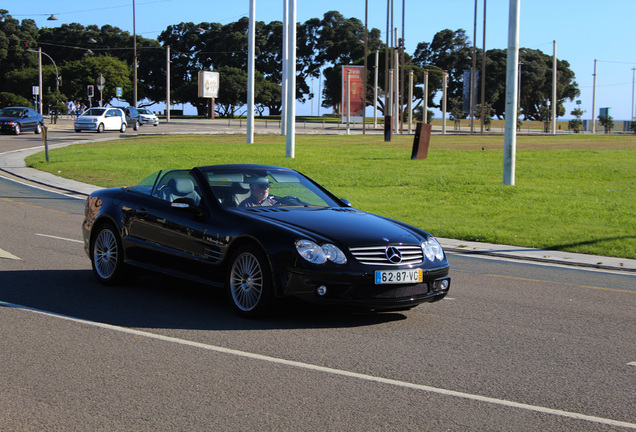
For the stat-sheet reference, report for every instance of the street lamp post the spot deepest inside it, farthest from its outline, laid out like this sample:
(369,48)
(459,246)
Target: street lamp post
(57,76)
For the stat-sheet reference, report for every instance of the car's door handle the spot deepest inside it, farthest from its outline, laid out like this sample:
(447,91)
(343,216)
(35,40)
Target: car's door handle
(141,211)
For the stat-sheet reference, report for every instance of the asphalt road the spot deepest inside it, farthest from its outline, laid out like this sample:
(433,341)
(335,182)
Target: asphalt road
(515,346)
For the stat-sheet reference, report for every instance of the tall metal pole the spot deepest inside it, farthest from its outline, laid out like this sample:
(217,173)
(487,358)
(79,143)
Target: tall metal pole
(348,100)
(283,103)
(167,83)
(402,72)
(375,91)
(387,111)
(483,76)
(410,101)
(396,87)
(594,100)
(291,82)
(134,58)
(510,136)
(444,97)
(472,74)
(250,72)
(425,111)
(366,67)
(554,88)
(40,80)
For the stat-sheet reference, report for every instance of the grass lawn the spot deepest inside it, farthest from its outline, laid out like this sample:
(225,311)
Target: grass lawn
(573,192)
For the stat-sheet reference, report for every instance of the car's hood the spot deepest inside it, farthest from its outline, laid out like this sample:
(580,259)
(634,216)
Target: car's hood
(9,119)
(87,118)
(350,226)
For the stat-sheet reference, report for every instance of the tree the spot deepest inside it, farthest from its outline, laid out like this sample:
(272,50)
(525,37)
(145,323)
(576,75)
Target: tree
(81,73)
(16,38)
(607,122)
(448,51)
(576,123)
(10,99)
(535,84)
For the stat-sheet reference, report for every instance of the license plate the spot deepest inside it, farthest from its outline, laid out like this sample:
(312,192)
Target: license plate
(398,276)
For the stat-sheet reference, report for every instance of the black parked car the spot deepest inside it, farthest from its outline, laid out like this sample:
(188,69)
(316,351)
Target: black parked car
(18,119)
(262,233)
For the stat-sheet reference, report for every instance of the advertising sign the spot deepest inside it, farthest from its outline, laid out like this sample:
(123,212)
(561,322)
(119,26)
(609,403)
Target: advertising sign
(208,84)
(356,92)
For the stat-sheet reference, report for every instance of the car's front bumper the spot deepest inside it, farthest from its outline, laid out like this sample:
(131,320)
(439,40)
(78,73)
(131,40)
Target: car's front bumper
(85,126)
(8,127)
(151,121)
(360,290)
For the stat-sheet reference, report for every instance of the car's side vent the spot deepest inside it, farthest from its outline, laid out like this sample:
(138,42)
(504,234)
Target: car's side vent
(213,255)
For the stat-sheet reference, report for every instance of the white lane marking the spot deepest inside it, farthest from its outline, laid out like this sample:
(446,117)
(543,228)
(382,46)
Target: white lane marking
(7,255)
(59,238)
(329,370)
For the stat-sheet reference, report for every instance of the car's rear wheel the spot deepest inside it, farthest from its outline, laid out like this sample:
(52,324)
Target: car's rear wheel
(250,282)
(100,128)
(107,255)
(123,128)
(17,129)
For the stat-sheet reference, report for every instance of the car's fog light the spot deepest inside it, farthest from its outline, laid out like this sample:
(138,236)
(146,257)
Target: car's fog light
(322,290)
(440,285)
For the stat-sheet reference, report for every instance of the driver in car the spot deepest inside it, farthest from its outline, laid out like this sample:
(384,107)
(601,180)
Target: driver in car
(259,194)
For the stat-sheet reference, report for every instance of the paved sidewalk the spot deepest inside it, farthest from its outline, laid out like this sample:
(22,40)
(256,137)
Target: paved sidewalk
(13,163)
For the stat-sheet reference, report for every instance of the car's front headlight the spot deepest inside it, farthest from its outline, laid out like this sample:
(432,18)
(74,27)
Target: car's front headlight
(317,254)
(432,249)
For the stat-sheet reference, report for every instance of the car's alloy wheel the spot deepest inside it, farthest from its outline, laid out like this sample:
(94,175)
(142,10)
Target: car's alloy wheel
(100,128)
(136,126)
(250,287)
(107,255)
(38,128)
(123,127)
(17,129)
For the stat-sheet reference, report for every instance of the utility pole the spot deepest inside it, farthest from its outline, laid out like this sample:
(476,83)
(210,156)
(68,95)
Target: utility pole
(594,100)
(510,136)
(554,88)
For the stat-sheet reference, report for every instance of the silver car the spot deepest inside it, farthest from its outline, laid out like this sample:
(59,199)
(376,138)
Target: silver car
(101,119)
(147,117)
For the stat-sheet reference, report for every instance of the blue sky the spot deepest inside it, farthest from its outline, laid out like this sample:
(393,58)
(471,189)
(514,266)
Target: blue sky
(585,30)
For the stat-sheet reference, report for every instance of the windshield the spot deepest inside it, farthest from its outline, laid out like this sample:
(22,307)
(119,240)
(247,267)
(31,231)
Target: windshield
(11,112)
(94,112)
(144,111)
(247,187)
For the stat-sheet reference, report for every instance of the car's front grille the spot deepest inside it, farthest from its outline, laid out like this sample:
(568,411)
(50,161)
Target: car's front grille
(379,255)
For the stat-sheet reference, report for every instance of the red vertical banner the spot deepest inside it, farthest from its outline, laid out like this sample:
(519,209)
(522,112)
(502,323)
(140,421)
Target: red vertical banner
(356,92)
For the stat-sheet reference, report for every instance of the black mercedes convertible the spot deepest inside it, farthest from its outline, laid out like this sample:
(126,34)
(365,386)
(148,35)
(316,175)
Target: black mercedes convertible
(261,233)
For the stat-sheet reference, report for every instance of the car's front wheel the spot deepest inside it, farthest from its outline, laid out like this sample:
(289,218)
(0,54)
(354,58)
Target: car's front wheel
(17,129)
(100,128)
(38,128)
(136,126)
(250,282)
(107,255)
